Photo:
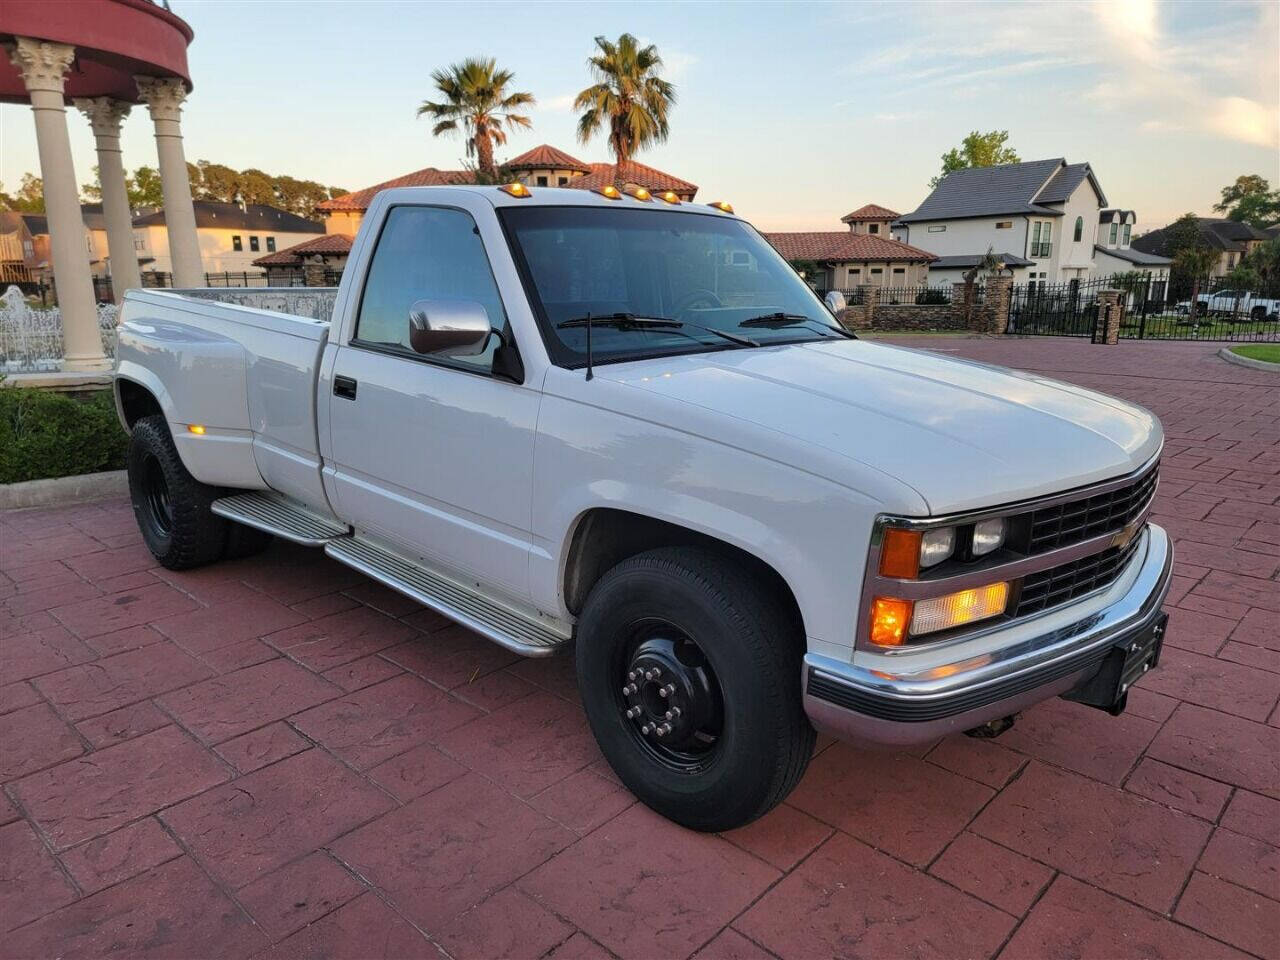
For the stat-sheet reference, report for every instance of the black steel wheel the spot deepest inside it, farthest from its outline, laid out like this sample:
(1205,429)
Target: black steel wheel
(171,506)
(689,669)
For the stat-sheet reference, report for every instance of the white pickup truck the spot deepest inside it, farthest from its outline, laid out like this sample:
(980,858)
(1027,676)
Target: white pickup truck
(621,425)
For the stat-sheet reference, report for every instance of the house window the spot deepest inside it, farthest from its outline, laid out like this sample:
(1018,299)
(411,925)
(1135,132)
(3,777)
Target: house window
(1127,228)
(253,244)
(1115,230)
(237,244)
(897,270)
(271,244)
(139,244)
(855,271)
(873,228)
(1004,224)
(876,270)
(562,180)
(542,181)
(937,228)
(1079,229)
(1040,234)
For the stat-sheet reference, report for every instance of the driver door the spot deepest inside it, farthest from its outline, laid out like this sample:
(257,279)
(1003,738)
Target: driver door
(433,453)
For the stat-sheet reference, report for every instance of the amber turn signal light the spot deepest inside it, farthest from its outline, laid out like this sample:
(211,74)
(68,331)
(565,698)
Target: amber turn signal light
(900,554)
(890,618)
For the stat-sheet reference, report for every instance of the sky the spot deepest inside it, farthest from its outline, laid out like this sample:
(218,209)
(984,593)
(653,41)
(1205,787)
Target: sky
(795,113)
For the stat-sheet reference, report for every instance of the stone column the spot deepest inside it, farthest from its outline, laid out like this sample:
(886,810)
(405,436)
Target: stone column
(858,315)
(164,96)
(105,116)
(998,293)
(314,273)
(1109,315)
(43,67)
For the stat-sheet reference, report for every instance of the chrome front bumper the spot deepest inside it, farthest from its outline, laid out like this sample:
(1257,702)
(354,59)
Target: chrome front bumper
(880,706)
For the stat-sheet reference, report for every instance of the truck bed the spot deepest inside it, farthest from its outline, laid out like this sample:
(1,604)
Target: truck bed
(233,362)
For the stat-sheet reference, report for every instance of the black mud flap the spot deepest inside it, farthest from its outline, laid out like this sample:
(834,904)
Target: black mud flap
(1129,659)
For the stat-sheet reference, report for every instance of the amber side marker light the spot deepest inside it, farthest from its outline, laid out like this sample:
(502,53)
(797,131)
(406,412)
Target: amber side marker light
(516,189)
(889,620)
(900,554)
(196,428)
(671,197)
(722,206)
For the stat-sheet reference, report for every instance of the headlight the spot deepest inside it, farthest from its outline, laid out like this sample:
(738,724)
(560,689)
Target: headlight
(988,535)
(937,545)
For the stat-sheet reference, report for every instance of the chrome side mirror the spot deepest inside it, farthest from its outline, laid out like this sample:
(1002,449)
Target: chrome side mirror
(452,328)
(835,302)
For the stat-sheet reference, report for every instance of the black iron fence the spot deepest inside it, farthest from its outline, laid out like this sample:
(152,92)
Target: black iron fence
(275,277)
(1153,307)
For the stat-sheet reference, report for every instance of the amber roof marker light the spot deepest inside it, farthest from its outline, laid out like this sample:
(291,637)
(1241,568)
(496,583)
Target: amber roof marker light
(722,206)
(516,189)
(670,196)
(609,191)
(639,193)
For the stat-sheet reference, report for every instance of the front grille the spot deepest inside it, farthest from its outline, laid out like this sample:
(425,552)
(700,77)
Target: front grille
(1065,582)
(1066,523)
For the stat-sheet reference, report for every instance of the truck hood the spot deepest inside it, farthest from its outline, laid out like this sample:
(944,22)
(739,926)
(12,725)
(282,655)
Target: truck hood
(961,434)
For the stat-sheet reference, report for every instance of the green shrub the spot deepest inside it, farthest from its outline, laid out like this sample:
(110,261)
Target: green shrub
(46,434)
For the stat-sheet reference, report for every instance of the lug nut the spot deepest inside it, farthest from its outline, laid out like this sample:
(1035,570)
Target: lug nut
(672,713)
(664,729)
(632,674)
(651,674)
(633,712)
(629,689)
(645,729)
(668,690)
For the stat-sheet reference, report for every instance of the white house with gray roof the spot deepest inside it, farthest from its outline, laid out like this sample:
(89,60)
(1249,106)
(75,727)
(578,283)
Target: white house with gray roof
(1041,218)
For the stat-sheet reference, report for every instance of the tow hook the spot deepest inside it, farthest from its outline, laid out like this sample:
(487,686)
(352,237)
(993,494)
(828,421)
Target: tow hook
(992,728)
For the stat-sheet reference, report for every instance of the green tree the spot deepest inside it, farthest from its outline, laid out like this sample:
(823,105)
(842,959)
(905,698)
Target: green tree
(29,197)
(477,101)
(977,150)
(628,96)
(1259,271)
(144,188)
(1250,200)
(217,182)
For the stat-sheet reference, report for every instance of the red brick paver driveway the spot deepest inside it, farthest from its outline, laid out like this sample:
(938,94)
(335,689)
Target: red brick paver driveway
(276,757)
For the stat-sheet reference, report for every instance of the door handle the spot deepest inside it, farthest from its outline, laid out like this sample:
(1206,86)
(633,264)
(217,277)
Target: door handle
(344,387)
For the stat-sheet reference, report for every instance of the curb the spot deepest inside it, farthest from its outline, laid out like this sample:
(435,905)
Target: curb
(1226,354)
(56,491)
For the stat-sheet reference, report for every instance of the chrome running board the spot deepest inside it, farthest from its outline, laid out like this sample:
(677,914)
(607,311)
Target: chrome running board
(503,625)
(279,516)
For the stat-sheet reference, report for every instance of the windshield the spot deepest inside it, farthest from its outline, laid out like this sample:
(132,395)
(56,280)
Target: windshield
(706,273)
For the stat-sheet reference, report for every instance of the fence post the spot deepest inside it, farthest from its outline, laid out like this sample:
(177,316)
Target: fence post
(1109,316)
(995,303)
(313,274)
(858,315)
(959,305)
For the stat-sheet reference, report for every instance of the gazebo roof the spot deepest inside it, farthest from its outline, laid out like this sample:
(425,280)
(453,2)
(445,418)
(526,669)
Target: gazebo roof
(115,41)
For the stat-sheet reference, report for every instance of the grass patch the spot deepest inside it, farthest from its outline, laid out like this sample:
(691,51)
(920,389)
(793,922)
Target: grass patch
(1266,352)
(46,434)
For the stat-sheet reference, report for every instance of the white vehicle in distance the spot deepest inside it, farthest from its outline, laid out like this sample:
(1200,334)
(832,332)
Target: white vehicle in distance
(621,426)
(1238,304)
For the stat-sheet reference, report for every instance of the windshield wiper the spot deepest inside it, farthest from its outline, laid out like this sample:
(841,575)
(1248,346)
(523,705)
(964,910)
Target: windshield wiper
(630,321)
(793,320)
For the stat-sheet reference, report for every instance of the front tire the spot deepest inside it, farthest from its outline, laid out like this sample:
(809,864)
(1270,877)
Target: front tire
(689,669)
(171,506)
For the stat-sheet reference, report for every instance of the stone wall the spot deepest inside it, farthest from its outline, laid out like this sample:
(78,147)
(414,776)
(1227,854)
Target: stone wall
(909,316)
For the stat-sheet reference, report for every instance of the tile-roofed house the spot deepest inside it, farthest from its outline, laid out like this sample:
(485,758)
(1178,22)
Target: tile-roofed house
(1050,213)
(871,218)
(845,260)
(95,238)
(546,166)
(343,214)
(1232,239)
(231,235)
(329,250)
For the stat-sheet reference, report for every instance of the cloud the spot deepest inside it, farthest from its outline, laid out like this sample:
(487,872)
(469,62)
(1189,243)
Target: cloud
(562,103)
(1218,77)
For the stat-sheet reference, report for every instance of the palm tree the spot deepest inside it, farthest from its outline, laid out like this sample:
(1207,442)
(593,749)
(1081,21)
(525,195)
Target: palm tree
(476,99)
(628,95)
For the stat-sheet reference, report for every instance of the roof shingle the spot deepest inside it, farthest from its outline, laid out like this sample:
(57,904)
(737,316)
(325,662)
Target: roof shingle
(870,211)
(547,157)
(640,174)
(329,243)
(988,191)
(842,246)
(359,200)
(229,216)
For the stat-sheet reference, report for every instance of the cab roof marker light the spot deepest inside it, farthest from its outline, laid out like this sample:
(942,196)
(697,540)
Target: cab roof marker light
(639,193)
(516,189)
(609,191)
(722,206)
(671,197)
